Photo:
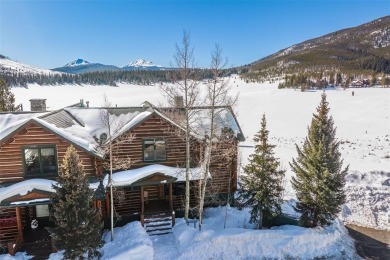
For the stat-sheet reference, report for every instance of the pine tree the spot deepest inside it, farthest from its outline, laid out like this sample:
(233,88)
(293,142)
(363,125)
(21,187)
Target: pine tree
(77,227)
(7,99)
(319,180)
(262,184)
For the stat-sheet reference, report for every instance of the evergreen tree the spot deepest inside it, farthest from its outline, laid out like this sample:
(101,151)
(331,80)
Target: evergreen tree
(319,180)
(77,227)
(7,99)
(262,184)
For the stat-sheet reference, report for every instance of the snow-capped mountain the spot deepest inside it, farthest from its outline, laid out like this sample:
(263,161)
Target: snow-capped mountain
(78,62)
(8,66)
(79,66)
(142,64)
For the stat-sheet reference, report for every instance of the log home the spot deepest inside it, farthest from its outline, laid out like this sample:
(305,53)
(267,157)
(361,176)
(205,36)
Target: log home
(148,154)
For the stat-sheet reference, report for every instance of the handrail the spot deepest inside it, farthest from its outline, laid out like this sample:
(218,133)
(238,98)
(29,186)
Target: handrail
(13,246)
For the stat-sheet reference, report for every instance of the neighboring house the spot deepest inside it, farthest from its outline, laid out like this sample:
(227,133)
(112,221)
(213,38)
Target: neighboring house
(356,84)
(149,162)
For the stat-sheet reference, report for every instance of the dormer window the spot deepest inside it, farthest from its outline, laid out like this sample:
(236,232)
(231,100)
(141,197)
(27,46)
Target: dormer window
(40,160)
(154,150)
(103,139)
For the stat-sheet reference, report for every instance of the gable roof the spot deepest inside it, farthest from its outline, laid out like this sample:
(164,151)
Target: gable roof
(83,126)
(200,124)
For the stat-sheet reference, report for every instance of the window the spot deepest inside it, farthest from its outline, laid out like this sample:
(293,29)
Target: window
(154,150)
(103,139)
(39,160)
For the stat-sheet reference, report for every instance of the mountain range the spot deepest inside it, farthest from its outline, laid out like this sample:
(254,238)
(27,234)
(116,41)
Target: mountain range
(82,66)
(364,47)
(361,49)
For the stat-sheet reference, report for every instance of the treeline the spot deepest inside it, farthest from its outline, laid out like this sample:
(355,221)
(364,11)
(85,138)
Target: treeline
(111,78)
(320,80)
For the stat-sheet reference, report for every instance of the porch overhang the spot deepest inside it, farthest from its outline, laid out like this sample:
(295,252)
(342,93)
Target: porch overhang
(151,175)
(154,179)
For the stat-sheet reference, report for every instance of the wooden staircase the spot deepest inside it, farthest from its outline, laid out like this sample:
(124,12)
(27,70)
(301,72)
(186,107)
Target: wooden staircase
(158,224)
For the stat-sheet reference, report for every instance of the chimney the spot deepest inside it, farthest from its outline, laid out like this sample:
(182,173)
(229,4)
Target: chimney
(38,104)
(178,101)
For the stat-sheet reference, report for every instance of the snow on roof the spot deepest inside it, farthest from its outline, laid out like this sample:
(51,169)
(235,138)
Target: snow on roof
(135,120)
(128,177)
(24,187)
(200,121)
(91,119)
(9,122)
(30,201)
(79,137)
(224,119)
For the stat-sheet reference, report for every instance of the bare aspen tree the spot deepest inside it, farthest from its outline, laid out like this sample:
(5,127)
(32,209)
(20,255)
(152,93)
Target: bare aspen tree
(185,89)
(113,128)
(217,96)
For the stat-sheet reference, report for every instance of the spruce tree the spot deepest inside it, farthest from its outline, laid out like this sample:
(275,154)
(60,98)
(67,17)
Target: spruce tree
(77,227)
(262,185)
(319,179)
(7,99)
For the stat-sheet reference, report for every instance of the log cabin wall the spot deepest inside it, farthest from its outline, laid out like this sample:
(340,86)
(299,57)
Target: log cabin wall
(11,162)
(8,226)
(154,127)
(223,167)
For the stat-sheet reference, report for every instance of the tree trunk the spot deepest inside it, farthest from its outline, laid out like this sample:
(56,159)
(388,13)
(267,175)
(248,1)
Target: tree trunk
(260,224)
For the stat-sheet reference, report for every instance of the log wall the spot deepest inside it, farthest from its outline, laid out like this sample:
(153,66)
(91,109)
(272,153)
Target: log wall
(154,127)
(11,162)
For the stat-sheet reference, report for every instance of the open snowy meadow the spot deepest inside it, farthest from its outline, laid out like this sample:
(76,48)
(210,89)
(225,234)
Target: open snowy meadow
(363,128)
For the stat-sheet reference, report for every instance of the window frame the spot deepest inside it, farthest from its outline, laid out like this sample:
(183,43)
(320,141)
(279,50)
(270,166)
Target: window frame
(154,150)
(39,147)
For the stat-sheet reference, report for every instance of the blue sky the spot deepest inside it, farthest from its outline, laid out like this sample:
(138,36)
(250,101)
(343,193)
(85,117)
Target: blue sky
(51,33)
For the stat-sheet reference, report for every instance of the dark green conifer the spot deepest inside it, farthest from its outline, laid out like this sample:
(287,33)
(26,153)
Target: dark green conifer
(77,226)
(262,184)
(7,99)
(319,179)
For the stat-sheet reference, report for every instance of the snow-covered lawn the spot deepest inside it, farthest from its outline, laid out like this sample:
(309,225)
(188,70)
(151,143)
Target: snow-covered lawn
(238,241)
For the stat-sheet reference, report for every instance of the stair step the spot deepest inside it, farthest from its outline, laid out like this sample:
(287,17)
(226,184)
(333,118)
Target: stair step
(158,224)
(160,228)
(148,220)
(159,232)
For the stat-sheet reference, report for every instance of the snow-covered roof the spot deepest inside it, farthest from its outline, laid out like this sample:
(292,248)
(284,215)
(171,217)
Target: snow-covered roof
(24,187)
(9,122)
(80,126)
(200,120)
(129,177)
(84,126)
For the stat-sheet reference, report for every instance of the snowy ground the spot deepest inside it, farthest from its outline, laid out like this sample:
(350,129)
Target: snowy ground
(362,121)
(363,127)
(238,241)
